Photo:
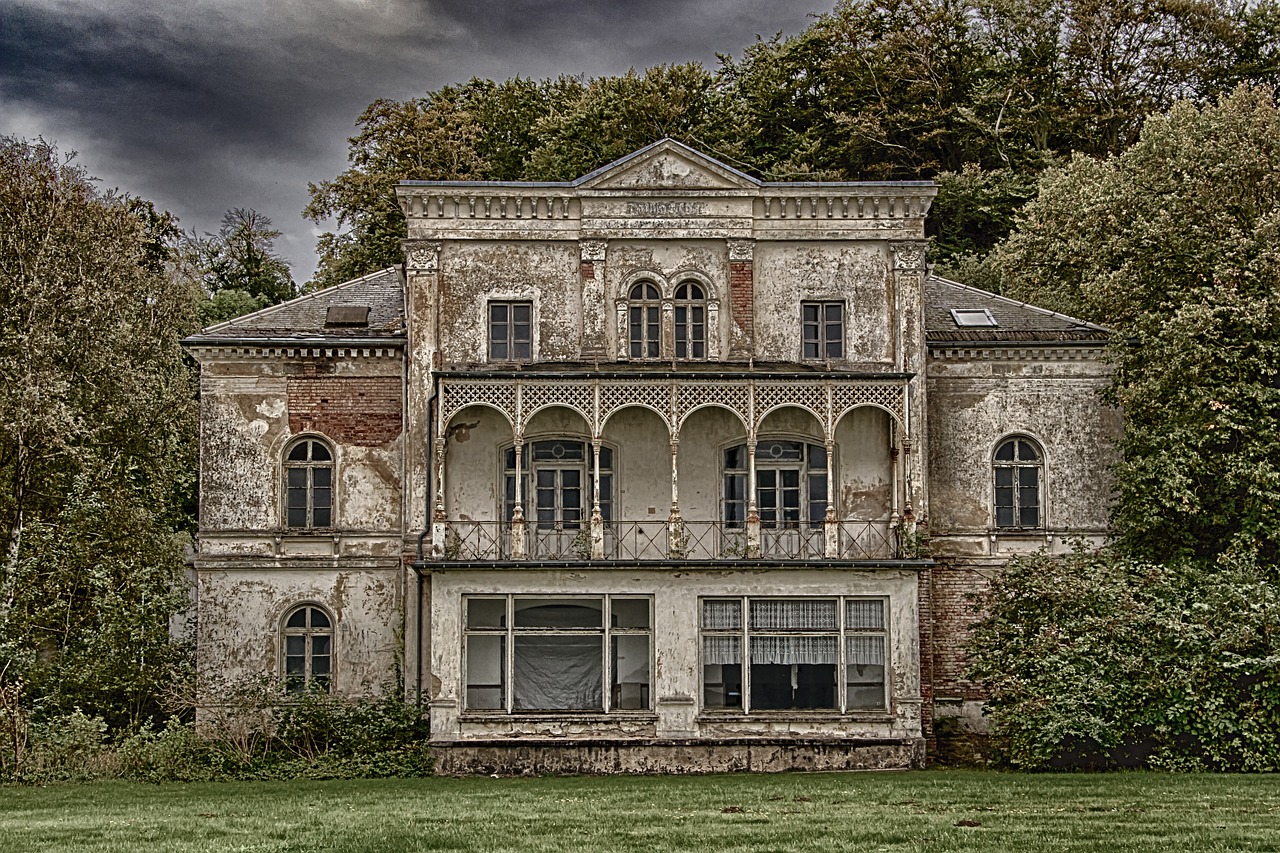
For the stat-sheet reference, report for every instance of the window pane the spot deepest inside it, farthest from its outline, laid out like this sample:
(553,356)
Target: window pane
(318,618)
(486,682)
(721,615)
(630,612)
(735,458)
(320,499)
(833,312)
(321,476)
(559,613)
(498,313)
(1004,512)
(1029,516)
(297,619)
(797,686)
(498,349)
(522,313)
(320,645)
(295,646)
(1004,478)
(296,478)
(864,613)
(630,664)
(486,613)
(864,673)
(522,350)
(793,615)
(1004,453)
(297,516)
(557,672)
(299,453)
(320,517)
(722,672)
(320,667)
(1027,452)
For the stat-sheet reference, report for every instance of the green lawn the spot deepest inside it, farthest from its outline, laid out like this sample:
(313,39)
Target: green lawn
(936,810)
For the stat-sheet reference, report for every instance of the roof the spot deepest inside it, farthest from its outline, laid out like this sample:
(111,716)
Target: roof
(331,314)
(1014,320)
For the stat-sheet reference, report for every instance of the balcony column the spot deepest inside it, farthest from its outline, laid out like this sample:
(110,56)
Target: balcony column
(597,519)
(675,525)
(753,512)
(519,541)
(439,521)
(830,525)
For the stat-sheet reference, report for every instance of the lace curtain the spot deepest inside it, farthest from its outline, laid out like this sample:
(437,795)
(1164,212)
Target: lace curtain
(721,651)
(866,613)
(789,650)
(790,615)
(864,651)
(722,615)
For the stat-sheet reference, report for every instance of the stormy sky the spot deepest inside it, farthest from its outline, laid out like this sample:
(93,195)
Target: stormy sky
(204,105)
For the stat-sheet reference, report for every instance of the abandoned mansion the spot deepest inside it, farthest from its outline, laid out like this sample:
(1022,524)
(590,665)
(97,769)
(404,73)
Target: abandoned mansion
(666,468)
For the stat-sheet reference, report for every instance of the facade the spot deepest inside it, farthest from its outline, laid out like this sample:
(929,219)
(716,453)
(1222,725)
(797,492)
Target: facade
(665,468)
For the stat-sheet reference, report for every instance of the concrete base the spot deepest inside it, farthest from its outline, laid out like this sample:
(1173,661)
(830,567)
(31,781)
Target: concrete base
(529,757)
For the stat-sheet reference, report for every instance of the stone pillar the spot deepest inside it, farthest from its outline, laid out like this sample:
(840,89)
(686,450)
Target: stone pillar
(422,290)
(595,317)
(753,511)
(519,540)
(830,524)
(597,518)
(439,521)
(908,270)
(742,298)
(675,525)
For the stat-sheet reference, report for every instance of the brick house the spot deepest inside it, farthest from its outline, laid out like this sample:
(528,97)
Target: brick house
(665,468)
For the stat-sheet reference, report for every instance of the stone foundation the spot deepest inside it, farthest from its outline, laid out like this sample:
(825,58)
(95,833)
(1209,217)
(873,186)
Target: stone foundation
(756,755)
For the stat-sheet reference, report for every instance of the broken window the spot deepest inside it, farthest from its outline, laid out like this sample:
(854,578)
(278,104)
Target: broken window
(510,331)
(1018,465)
(691,321)
(308,473)
(822,330)
(580,653)
(794,654)
(308,649)
(791,484)
(643,327)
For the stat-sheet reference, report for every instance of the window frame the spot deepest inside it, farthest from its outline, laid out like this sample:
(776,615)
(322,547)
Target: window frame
(823,339)
(509,325)
(695,312)
(844,632)
(811,511)
(309,634)
(509,632)
(529,466)
(1016,487)
(310,466)
(647,344)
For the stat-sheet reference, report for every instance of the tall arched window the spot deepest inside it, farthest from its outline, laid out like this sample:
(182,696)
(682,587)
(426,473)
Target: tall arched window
(308,480)
(1018,467)
(643,325)
(691,321)
(308,649)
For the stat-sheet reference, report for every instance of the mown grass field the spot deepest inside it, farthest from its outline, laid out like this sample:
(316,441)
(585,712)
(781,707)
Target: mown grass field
(933,811)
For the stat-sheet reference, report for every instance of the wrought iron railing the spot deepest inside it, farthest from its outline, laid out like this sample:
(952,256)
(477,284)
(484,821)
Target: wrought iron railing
(660,540)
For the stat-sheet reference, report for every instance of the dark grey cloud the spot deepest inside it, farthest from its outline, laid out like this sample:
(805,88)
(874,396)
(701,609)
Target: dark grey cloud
(204,105)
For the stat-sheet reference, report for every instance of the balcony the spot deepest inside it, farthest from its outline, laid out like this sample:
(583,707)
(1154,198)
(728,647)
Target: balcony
(694,541)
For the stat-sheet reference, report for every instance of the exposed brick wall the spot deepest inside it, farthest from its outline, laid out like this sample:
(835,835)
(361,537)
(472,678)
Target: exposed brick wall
(953,612)
(924,594)
(588,270)
(742,295)
(364,411)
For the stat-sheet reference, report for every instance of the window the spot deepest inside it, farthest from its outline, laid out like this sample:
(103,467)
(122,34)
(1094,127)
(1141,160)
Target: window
(531,654)
(308,649)
(791,484)
(691,321)
(510,331)
(801,654)
(973,317)
(643,328)
(561,474)
(1017,474)
(308,473)
(822,326)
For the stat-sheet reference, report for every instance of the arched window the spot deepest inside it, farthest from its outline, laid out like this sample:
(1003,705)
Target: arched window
(691,321)
(1018,466)
(308,479)
(308,649)
(643,326)
(791,484)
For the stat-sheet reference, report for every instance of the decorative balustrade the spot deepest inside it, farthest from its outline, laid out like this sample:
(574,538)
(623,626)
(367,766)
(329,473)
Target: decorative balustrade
(478,541)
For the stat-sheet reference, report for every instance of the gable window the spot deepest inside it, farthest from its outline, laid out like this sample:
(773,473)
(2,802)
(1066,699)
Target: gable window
(822,330)
(308,649)
(308,473)
(1018,468)
(510,331)
(791,654)
(791,484)
(643,326)
(537,654)
(691,321)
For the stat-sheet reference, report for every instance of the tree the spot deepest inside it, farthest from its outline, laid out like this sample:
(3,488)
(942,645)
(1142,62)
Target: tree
(97,423)
(238,267)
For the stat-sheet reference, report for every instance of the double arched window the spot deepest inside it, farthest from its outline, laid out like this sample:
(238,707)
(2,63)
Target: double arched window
(308,649)
(644,328)
(1019,472)
(308,483)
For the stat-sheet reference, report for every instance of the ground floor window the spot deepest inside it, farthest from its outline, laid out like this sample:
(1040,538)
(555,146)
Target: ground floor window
(794,654)
(537,653)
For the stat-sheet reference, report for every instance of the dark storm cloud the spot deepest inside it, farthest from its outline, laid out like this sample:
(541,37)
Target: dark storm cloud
(210,104)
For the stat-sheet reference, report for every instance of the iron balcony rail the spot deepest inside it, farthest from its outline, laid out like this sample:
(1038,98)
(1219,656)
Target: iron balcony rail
(478,541)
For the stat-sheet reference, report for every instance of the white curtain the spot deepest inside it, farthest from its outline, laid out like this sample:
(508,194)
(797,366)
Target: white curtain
(864,613)
(722,615)
(721,650)
(775,615)
(864,651)
(790,650)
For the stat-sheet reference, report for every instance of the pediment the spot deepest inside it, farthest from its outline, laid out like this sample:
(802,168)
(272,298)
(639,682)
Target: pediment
(667,165)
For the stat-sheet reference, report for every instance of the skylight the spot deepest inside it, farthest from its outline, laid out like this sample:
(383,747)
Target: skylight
(973,317)
(347,315)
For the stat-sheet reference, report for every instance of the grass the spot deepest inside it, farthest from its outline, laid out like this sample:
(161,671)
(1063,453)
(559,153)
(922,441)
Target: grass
(923,811)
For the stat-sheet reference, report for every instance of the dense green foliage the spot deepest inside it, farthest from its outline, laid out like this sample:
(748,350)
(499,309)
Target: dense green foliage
(980,94)
(1167,646)
(97,421)
(238,268)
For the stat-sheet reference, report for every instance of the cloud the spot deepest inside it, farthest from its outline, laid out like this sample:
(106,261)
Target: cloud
(203,105)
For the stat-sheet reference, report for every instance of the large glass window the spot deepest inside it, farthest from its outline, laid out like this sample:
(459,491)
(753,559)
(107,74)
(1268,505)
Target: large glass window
(308,649)
(643,326)
(581,653)
(561,476)
(308,474)
(791,484)
(510,331)
(822,330)
(793,654)
(690,321)
(1017,466)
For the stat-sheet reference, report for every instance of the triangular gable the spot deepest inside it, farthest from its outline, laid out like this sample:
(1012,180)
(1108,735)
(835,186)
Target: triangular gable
(667,164)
